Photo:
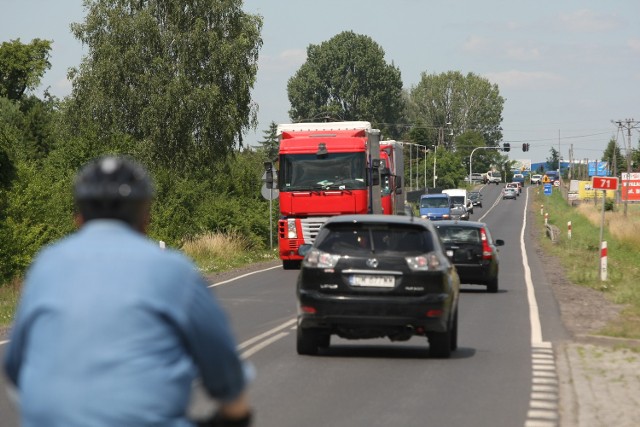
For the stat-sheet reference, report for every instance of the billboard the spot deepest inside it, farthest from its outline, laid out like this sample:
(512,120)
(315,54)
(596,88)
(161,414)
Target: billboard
(630,188)
(598,168)
(519,166)
(582,190)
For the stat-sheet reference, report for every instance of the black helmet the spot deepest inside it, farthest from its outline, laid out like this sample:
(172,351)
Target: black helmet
(113,187)
(113,178)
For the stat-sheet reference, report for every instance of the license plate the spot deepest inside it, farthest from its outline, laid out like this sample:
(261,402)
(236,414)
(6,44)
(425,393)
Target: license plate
(371,281)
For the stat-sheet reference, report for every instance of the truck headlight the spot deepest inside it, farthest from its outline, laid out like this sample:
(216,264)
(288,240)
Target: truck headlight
(292,233)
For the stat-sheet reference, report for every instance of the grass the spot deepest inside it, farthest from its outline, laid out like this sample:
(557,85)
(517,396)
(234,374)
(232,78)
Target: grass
(9,296)
(212,253)
(216,252)
(580,255)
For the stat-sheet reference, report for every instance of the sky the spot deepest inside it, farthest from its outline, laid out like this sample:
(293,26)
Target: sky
(566,68)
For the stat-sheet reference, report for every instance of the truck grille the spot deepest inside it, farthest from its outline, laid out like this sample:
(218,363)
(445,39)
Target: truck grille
(310,227)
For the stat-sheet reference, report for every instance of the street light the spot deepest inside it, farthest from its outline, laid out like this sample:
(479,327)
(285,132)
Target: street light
(435,155)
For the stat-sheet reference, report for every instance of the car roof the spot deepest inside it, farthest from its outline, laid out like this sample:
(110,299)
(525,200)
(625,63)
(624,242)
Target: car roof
(378,219)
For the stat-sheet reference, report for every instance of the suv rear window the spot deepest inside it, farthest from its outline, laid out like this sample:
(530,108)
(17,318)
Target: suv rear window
(345,239)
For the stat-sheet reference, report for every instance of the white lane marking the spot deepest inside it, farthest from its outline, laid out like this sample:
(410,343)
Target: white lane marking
(250,341)
(244,275)
(4,342)
(263,344)
(534,314)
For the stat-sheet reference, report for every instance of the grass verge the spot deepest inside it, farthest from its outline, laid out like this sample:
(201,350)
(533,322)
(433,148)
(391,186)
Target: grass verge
(580,255)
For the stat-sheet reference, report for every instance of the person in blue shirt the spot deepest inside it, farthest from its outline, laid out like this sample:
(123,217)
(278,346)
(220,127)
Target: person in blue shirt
(112,330)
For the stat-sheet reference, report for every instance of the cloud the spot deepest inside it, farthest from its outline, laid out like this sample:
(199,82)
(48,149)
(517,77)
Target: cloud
(634,45)
(588,21)
(286,60)
(475,44)
(520,53)
(529,79)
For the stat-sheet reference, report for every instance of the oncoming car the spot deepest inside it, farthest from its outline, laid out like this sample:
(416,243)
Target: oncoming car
(374,276)
(471,247)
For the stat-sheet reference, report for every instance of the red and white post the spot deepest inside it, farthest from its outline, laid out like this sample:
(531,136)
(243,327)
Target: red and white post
(541,209)
(569,229)
(546,218)
(603,261)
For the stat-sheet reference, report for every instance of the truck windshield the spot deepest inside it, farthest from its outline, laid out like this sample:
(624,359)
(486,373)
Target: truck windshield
(435,202)
(333,171)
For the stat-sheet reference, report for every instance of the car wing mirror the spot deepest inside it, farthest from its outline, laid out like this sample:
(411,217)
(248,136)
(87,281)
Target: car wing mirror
(304,249)
(499,242)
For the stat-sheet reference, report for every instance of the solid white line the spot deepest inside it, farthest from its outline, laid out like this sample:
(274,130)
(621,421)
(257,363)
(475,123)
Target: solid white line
(534,314)
(250,341)
(244,275)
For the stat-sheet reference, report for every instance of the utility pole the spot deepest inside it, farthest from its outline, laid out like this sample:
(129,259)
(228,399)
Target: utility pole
(628,124)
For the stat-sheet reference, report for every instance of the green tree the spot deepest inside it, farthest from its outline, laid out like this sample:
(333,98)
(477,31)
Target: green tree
(174,76)
(271,142)
(553,161)
(469,103)
(22,66)
(347,78)
(613,155)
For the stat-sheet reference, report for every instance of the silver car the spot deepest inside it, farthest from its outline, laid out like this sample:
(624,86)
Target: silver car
(509,193)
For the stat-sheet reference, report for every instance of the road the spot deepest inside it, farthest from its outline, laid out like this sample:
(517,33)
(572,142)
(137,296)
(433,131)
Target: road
(503,373)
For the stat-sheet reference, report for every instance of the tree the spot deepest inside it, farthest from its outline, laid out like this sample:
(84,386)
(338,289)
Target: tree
(553,161)
(616,160)
(173,75)
(22,66)
(270,142)
(469,103)
(347,78)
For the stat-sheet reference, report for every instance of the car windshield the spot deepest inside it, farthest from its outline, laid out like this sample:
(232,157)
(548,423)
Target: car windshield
(347,239)
(457,234)
(434,202)
(474,196)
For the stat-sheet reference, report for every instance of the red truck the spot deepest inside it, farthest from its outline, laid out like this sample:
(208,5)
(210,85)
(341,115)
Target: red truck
(328,169)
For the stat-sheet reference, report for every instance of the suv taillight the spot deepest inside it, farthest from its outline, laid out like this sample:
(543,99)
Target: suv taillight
(487,253)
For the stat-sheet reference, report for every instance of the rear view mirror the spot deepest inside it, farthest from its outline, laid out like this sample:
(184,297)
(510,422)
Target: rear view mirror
(499,242)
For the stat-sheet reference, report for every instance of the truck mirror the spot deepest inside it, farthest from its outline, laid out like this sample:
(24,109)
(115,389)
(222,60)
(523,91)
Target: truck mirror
(399,184)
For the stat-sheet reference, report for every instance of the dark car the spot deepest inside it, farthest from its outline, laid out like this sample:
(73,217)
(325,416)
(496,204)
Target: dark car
(374,276)
(471,247)
(476,198)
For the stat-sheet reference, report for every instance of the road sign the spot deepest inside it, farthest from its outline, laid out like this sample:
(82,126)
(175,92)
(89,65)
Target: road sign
(548,188)
(269,193)
(604,182)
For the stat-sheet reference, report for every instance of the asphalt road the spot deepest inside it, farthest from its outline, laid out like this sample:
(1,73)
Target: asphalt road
(503,373)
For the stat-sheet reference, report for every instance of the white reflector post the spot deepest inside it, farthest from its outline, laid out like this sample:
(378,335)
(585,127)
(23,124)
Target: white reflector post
(603,261)
(162,245)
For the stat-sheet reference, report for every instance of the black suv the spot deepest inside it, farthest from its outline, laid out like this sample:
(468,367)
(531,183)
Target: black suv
(373,276)
(471,247)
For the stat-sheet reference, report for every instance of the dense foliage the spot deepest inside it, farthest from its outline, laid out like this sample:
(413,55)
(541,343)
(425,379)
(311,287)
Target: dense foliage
(347,78)
(166,84)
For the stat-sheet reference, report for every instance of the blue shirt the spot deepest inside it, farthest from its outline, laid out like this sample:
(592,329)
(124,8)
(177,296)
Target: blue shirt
(112,330)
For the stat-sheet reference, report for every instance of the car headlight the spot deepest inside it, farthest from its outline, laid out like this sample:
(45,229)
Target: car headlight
(426,262)
(292,233)
(319,259)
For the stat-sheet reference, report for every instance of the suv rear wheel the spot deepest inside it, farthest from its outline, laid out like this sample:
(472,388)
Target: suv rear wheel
(441,344)
(309,340)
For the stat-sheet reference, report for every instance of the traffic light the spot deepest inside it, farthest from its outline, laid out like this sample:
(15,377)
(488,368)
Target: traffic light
(506,147)
(525,146)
